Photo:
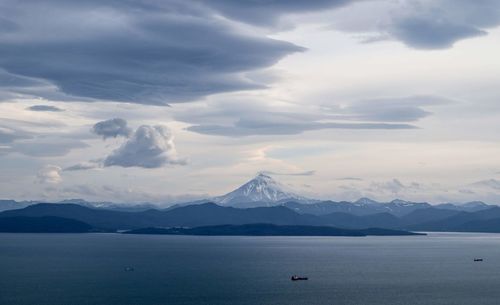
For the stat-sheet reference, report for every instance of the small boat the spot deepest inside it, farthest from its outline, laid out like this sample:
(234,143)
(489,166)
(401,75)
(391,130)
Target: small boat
(128,269)
(478,259)
(299,278)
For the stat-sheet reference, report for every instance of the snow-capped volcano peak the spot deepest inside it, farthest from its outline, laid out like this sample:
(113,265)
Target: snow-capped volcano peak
(262,189)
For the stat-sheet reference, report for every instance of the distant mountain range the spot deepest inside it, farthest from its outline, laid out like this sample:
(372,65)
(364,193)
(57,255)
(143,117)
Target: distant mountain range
(262,200)
(8,204)
(211,214)
(264,191)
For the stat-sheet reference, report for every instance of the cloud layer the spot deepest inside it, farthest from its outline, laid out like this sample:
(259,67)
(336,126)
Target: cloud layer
(35,144)
(161,52)
(139,52)
(9,135)
(269,13)
(251,117)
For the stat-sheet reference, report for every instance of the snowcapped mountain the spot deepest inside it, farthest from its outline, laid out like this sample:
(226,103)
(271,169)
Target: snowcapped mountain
(260,191)
(366,202)
(472,206)
(361,207)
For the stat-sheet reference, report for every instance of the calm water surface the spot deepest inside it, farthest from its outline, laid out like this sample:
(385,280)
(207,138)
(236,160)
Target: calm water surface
(78,269)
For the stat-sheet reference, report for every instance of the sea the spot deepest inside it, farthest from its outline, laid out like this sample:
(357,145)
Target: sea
(118,269)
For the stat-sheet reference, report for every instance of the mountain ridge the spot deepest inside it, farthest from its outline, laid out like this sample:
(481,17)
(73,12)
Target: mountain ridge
(264,191)
(210,214)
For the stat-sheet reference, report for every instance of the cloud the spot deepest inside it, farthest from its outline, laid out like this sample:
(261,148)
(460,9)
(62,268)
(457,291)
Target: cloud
(112,128)
(148,53)
(49,174)
(305,173)
(12,81)
(491,184)
(51,146)
(466,191)
(269,13)
(428,33)
(83,166)
(391,109)
(350,179)
(161,52)
(242,128)
(120,195)
(148,147)
(13,86)
(45,108)
(27,138)
(420,24)
(395,186)
(250,117)
(9,135)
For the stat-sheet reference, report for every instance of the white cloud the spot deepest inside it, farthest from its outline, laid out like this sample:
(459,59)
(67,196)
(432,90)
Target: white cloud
(49,174)
(488,184)
(148,147)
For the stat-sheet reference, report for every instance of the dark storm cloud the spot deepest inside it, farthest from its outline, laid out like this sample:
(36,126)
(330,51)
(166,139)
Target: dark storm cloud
(149,52)
(112,128)
(46,108)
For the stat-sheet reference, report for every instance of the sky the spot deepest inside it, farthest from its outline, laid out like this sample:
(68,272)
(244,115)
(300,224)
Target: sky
(177,100)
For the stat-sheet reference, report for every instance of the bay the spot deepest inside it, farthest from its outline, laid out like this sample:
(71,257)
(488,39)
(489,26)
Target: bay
(115,269)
